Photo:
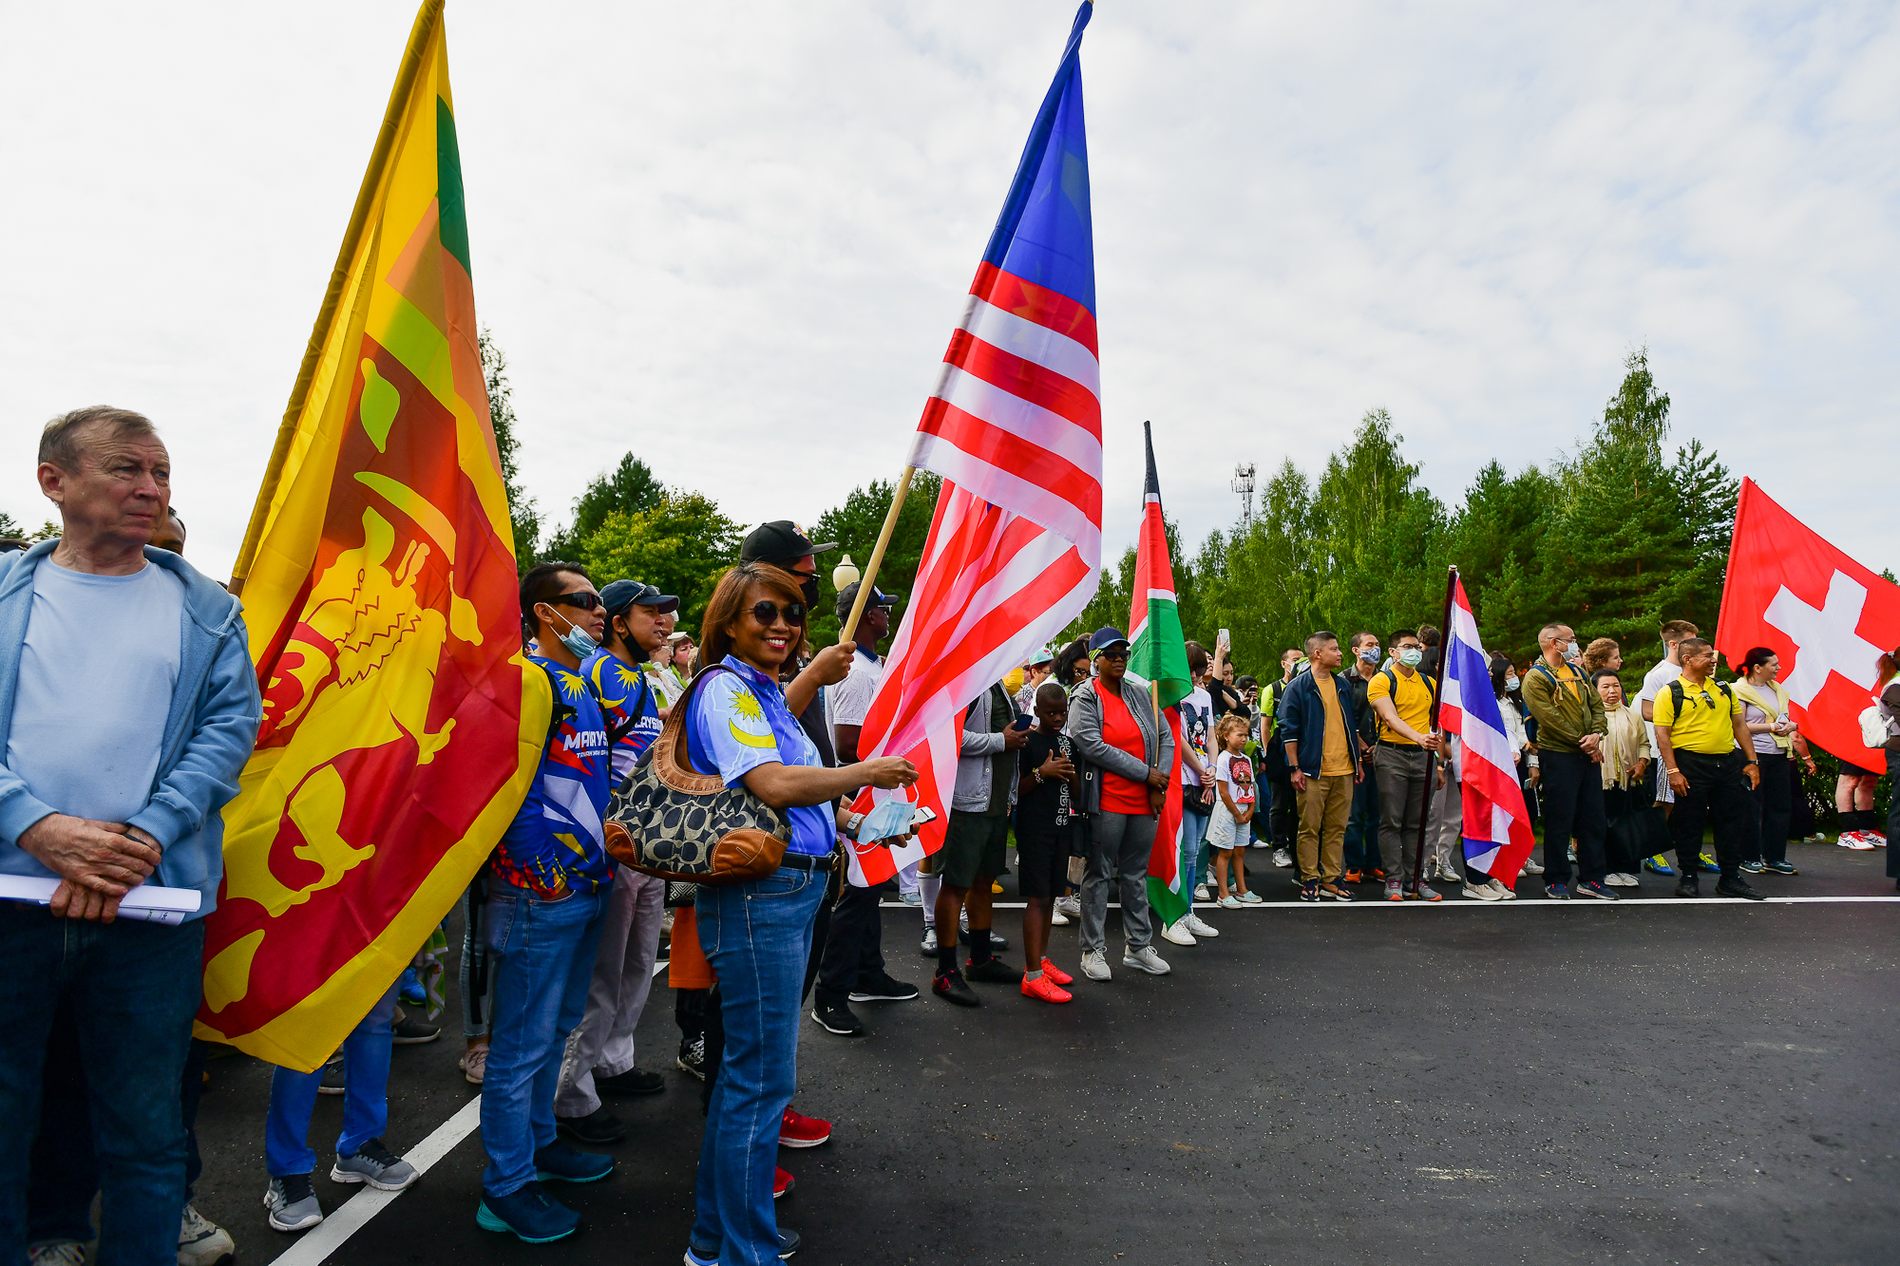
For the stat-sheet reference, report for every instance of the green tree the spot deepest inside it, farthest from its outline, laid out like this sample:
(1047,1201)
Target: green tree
(1498,539)
(8,527)
(855,526)
(1378,536)
(681,543)
(629,488)
(523,514)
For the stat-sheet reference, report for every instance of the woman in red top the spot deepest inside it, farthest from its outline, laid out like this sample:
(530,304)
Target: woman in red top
(1126,755)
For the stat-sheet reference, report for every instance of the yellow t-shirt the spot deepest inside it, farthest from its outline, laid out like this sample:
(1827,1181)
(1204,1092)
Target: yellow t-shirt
(1335,758)
(1413,702)
(1707,723)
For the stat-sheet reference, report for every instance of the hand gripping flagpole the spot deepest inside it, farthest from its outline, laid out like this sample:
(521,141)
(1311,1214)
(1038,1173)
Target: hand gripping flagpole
(1431,758)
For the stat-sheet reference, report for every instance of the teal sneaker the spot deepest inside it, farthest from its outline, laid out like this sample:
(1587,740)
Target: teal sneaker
(528,1215)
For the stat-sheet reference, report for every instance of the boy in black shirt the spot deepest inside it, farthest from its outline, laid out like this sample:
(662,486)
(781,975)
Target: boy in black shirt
(1047,797)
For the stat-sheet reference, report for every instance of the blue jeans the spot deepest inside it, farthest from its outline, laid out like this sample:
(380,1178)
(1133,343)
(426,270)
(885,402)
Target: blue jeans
(1362,828)
(1193,838)
(541,956)
(133,988)
(293,1097)
(757,937)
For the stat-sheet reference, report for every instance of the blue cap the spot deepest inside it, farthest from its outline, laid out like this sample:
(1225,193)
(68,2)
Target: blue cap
(1105,638)
(618,595)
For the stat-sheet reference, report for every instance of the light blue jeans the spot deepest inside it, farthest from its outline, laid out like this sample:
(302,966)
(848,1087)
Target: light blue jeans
(293,1097)
(541,955)
(1193,841)
(757,936)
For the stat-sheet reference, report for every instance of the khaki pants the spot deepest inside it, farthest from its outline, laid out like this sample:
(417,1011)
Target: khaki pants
(1325,808)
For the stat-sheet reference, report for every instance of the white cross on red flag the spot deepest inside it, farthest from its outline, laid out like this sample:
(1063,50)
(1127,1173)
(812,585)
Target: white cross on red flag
(1826,616)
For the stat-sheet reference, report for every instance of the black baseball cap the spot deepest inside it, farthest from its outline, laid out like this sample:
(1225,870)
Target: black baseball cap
(780,541)
(618,595)
(849,595)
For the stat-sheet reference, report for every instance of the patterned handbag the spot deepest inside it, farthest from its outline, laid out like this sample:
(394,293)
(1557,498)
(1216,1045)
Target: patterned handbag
(671,821)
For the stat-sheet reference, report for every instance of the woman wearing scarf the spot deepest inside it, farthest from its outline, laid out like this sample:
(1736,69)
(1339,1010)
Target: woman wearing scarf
(1626,758)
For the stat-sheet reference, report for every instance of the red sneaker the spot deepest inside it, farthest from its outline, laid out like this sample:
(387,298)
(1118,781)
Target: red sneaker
(799,1130)
(782,1183)
(1056,974)
(1043,989)
(1355,877)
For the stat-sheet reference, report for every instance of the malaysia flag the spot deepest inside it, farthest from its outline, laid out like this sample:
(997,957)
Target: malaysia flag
(1015,429)
(1497,825)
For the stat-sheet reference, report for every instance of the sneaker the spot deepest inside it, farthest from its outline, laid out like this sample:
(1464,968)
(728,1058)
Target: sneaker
(1375,876)
(1752,868)
(331,1083)
(991,971)
(1876,838)
(1355,877)
(1686,887)
(376,1165)
(1658,865)
(1855,840)
(1176,933)
(635,1081)
(594,1129)
(1479,892)
(558,1162)
(1057,919)
(1056,974)
(1595,889)
(1617,879)
(911,897)
(1736,886)
(1558,892)
(1449,875)
(1230,902)
(1145,959)
(1422,893)
(952,987)
(782,1184)
(413,1029)
(1392,891)
(1043,989)
(691,1059)
(1095,964)
(795,1129)
(1250,898)
(528,1215)
(1070,905)
(998,942)
(1780,868)
(61,1253)
(1309,890)
(835,1017)
(1708,864)
(292,1202)
(884,987)
(1282,859)
(1533,867)
(928,946)
(1499,891)
(474,1064)
(1202,893)
(201,1242)
(1333,892)
(1200,927)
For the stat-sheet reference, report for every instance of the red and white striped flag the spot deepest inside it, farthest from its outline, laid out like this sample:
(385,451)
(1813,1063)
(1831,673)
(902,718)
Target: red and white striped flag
(1015,429)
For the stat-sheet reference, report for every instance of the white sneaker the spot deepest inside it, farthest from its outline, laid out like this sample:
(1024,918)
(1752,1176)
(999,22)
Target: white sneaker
(1201,892)
(1251,899)
(1145,959)
(57,1253)
(1177,933)
(1095,964)
(1855,840)
(1533,867)
(1480,892)
(928,945)
(1282,859)
(1621,880)
(1070,905)
(1230,902)
(202,1242)
(1503,893)
(1057,919)
(1199,926)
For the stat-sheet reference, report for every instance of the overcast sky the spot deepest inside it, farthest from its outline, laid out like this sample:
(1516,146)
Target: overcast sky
(734,237)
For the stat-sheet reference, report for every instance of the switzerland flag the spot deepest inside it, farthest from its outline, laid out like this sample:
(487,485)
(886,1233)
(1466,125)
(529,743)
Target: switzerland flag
(1825,615)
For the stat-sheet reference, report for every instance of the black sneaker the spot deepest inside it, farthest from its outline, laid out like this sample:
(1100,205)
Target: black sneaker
(331,1083)
(952,987)
(691,1059)
(992,971)
(597,1127)
(883,988)
(635,1081)
(835,1017)
(1686,887)
(1736,886)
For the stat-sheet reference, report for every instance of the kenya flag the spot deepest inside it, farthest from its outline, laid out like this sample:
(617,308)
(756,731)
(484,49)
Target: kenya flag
(1157,653)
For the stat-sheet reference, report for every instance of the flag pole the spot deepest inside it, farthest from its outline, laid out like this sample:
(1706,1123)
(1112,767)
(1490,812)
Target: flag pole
(868,579)
(1438,700)
(428,17)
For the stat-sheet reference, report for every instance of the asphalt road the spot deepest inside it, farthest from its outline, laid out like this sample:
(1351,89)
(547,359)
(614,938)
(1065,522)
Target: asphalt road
(1648,1082)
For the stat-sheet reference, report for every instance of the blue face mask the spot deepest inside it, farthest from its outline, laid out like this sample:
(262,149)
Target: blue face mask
(578,641)
(1370,654)
(1511,682)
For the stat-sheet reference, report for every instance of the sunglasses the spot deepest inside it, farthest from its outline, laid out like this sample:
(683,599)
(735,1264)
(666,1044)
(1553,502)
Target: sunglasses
(586,600)
(767,613)
(1112,652)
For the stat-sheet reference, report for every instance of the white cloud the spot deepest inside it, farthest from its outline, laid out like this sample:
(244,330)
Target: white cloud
(733,238)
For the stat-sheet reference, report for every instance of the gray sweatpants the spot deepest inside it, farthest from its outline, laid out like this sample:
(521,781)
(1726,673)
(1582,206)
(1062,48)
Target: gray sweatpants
(1119,845)
(623,976)
(1401,772)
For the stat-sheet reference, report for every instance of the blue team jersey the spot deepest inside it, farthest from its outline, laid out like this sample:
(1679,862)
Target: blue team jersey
(554,846)
(739,722)
(632,712)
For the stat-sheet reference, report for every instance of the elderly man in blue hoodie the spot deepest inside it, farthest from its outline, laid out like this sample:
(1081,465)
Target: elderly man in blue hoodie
(128,706)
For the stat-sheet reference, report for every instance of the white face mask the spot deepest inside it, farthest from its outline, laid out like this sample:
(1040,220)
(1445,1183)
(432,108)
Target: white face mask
(1511,681)
(1572,650)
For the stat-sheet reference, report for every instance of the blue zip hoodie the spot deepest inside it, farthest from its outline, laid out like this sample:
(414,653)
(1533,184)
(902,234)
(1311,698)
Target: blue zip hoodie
(209,730)
(1302,720)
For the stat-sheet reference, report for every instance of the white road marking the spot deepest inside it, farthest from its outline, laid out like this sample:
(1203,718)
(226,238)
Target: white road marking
(318,1245)
(1379,903)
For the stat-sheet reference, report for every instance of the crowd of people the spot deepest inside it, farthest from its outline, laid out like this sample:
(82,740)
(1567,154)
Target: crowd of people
(120,748)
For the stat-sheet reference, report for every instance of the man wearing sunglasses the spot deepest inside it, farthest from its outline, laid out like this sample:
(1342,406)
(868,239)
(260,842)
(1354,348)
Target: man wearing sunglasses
(600,1058)
(1708,756)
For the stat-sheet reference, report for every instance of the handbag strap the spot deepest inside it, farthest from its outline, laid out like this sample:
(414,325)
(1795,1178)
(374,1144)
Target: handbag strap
(674,730)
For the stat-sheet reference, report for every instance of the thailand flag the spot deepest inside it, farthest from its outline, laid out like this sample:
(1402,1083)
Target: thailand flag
(1497,826)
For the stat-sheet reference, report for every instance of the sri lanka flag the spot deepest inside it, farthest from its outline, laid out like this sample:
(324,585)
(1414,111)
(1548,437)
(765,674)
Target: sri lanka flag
(1497,826)
(402,726)
(1157,653)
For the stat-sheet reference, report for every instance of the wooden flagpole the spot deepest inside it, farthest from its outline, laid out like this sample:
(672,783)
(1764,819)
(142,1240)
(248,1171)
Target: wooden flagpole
(1438,699)
(868,578)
